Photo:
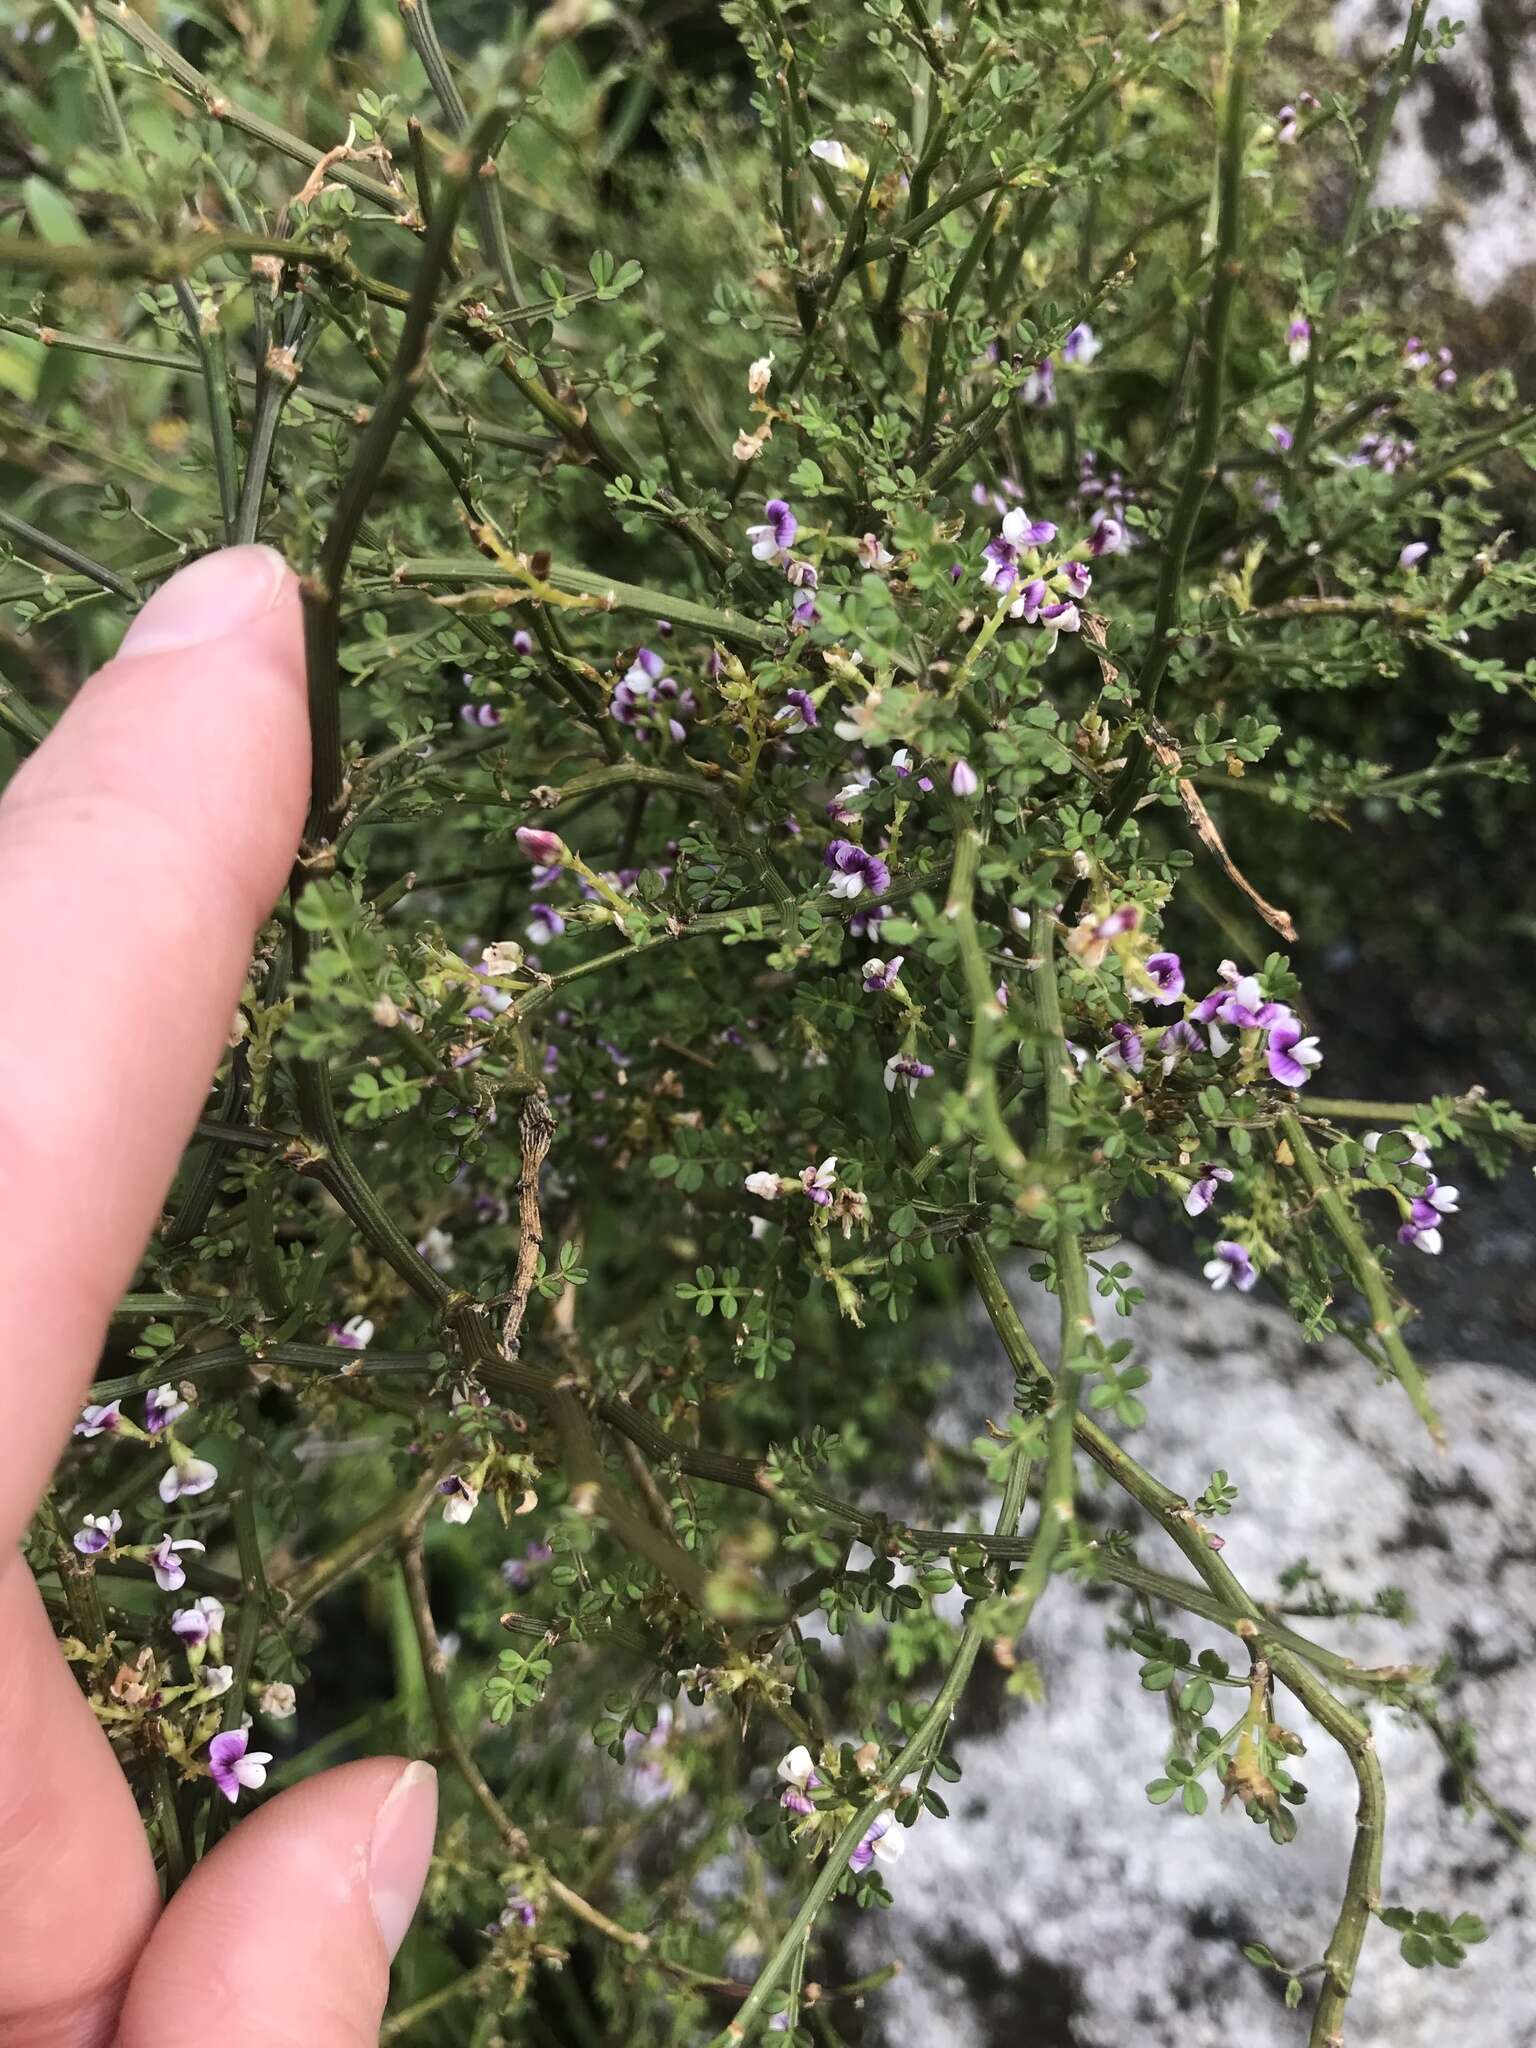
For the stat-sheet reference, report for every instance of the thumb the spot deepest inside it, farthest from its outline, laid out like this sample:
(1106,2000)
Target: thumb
(283,1936)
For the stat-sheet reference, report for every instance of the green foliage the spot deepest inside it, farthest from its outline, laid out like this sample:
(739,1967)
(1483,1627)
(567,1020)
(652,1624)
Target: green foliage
(689,1352)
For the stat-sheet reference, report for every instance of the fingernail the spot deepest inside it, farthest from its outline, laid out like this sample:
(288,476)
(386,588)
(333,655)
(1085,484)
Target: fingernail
(401,1851)
(208,600)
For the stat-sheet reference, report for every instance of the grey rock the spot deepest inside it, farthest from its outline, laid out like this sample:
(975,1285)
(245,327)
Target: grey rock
(1057,1907)
(1464,142)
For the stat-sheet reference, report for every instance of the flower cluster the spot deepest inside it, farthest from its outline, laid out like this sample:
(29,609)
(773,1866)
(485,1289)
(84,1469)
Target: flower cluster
(186,1475)
(1425,1211)
(651,701)
(884,1840)
(1048,592)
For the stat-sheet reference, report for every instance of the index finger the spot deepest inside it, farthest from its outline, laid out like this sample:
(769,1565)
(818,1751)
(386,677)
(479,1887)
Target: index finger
(140,848)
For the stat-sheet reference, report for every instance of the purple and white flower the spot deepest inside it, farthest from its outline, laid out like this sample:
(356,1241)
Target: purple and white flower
(1107,534)
(195,1624)
(873,553)
(545,924)
(100,1419)
(165,1562)
(436,1247)
(1289,1055)
(775,536)
(1286,126)
(881,975)
(830,151)
(885,1842)
(1040,384)
(186,1476)
(355,1334)
(798,713)
(485,715)
(906,1070)
(1205,1190)
(1298,339)
(1000,557)
(1063,617)
(522,641)
(1126,1055)
(798,1775)
(646,696)
(1080,346)
(234,1766)
(1413,554)
(162,1407)
(1165,973)
(853,870)
(519,1572)
(1231,1265)
(819,1181)
(1422,1229)
(98,1533)
(1177,1043)
(1078,578)
(460,1498)
(963,779)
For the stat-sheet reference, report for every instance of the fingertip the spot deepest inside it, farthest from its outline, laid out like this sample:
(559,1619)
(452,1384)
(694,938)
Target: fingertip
(217,595)
(400,1853)
(304,1905)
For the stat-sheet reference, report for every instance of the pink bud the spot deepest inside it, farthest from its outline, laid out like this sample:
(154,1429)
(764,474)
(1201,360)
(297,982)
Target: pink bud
(963,779)
(548,848)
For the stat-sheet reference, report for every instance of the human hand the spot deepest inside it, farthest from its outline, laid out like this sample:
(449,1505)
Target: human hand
(139,850)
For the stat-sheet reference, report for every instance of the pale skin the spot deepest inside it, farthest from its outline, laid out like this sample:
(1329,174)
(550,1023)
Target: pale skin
(140,848)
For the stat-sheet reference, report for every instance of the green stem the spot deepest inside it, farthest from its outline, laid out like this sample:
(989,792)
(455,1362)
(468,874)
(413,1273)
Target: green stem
(322,594)
(216,103)
(1362,1884)
(424,571)
(419,26)
(61,551)
(987,1016)
(1200,472)
(923,1745)
(202,318)
(1057,1503)
(1366,1270)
